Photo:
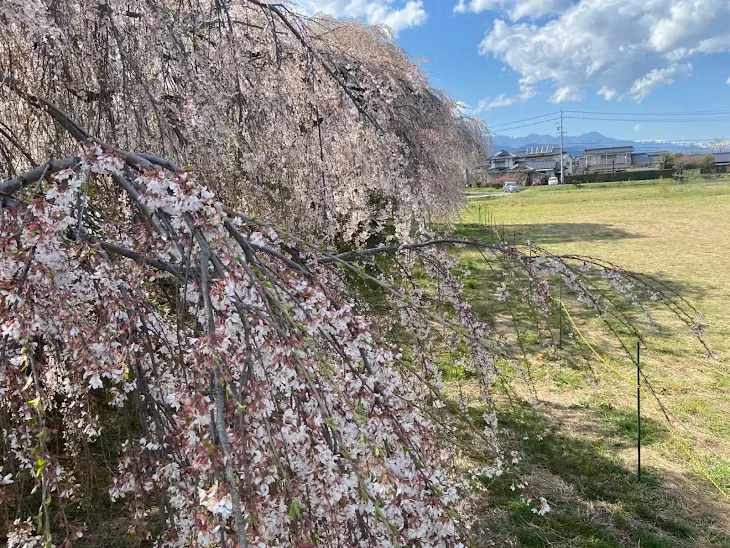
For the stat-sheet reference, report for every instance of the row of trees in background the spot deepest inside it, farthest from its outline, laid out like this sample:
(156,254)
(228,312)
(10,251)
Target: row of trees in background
(679,162)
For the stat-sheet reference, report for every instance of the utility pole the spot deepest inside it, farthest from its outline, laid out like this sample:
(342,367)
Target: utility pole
(562,175)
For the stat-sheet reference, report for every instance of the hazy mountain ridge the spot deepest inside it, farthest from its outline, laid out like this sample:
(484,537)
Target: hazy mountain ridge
(576,144)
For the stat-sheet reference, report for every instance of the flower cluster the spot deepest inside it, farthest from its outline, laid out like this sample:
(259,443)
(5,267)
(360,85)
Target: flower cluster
(267,408)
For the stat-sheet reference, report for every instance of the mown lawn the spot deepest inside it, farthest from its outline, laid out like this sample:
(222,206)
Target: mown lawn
(585,462)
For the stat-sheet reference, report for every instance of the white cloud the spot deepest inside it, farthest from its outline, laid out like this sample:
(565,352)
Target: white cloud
(516,9)
(462,109)
(567,93)
(637,127)
(728,81)
(499,101)
(656,77)
(687,23)
(622,48)
(488,103)
(607,93)
(395,14)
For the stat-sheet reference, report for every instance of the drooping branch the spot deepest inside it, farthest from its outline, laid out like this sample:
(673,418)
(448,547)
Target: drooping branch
(14,184)
(39,102)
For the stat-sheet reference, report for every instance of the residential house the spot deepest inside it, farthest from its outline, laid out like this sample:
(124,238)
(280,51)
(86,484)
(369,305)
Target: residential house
(645,160)
(539,156)
(607,160)
(542,169)
(529,165)
(722,160)
(578,161)
(501,161)
(495,166)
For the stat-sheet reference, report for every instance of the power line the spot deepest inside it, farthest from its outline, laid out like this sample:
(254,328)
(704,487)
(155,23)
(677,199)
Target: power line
(673,121)
(658,143)
(524,125)
(636,116)
(637,146)
(527,119)
(695,113)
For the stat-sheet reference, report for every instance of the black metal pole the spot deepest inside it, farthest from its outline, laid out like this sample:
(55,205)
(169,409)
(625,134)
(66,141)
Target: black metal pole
(560,317)
(638,408)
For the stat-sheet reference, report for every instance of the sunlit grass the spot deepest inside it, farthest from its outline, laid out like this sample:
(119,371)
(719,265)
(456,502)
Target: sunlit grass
(679,234)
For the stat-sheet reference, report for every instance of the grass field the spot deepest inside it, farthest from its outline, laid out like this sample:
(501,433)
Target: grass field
(585,460)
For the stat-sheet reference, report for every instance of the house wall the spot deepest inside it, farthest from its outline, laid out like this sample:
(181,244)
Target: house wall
(502,163)
(553,157)
(607,163)
(568,165)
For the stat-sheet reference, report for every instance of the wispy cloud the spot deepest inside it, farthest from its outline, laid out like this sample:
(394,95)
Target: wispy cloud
(488,103)
(397,15)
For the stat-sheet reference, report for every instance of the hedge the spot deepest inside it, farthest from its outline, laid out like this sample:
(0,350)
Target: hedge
(621,176)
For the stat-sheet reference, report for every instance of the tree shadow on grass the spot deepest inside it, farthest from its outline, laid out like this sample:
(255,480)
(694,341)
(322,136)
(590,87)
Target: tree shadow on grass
(595,501)
(487,273)
(545,233)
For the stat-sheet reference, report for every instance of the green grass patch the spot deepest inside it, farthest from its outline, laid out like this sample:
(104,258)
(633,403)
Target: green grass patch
(676,233)
(595,501)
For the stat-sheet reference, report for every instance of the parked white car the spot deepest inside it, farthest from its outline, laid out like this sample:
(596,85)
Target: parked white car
(511,186)
(553,181)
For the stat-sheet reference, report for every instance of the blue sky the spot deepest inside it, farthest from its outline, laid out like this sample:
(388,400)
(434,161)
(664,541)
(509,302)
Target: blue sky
(509,60)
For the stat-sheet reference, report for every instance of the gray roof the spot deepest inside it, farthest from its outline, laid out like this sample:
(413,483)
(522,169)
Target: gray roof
(646,158)
(541,164)
(502,154)
(520,167)
(720,157)
(609,150)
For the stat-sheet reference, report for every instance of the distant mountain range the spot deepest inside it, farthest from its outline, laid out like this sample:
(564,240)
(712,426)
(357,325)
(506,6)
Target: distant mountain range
(576,144)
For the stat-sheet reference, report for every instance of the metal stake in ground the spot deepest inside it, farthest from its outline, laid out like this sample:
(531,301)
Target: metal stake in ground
(560,316)
(638,408)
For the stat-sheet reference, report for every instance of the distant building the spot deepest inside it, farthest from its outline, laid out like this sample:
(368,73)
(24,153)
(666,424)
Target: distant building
(532,164)
(501,161)
(722,160)
(645,160)
(578,161)
(538,158)
(607,160)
